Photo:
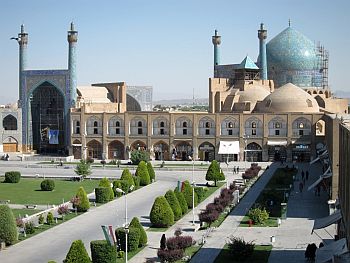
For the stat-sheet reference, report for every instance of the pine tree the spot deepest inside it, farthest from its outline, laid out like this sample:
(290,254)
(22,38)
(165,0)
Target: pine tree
(142,173)
(214,173)
(8,229)
(77,253)
(161,214)
(182,201)
(143,236)
(151,172)
(104,182)
(127,176)
(174,204)
(83,203)
(83,168)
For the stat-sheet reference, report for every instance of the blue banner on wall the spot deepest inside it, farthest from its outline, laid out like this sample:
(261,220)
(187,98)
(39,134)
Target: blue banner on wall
(53,136)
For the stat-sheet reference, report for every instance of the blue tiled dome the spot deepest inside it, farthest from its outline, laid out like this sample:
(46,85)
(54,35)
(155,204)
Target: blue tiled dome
(291,50)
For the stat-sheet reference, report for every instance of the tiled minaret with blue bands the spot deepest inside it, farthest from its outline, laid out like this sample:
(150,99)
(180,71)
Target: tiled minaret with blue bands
(216,39)
(22,40)
(262,35)
(72,40)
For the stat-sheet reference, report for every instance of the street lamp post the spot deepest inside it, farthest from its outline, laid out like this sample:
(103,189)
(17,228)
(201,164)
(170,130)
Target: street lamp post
(193,187)
(126,227)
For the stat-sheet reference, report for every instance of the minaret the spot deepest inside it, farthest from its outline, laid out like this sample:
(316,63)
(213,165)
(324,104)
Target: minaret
(22,40)
(72,40)
(216,42)
(262,35)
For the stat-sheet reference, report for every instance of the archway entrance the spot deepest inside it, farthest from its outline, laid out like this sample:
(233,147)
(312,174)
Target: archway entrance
(206,152)
(139,145)
(116,150)
(182,151)
(94,149)
(47,119)
(10,144)
(161,151)
(277,153)
(254,152)
(77,149)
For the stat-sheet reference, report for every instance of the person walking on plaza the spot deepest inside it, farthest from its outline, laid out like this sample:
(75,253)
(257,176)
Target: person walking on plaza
(307,175)
(302,175)
(301,186)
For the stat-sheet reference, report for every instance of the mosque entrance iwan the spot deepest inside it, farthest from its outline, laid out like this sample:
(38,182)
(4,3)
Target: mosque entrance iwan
(46,124)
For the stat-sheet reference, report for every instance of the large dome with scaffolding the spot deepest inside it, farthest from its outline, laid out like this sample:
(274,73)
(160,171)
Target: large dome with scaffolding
(292,57)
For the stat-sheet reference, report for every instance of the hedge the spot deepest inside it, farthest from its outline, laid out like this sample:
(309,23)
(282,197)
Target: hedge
(200,191)
(102,195)
(77,253)
(143,235)
(133,238)
(182,201)
(187,191)
(126,176)
(83,203)
(174,204)
(142,173)
(12,177)
(102,252)
(161,214)
(152,174)
(104,182)
(8,229)
(47,185)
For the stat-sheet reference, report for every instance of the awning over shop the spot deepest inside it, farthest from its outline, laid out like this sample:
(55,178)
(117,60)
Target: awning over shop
(229,147)
(77,144)
(327,221)
(277,143)
(335,248)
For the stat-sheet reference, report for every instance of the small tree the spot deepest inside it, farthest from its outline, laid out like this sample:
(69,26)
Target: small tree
(127,176)
(188,192)
(84,203)
(142,173)
(137,156)
(8,229)
(182,201)
(143,236)
(152,174)
(174,204)
(133,238)
(214,173)
(161,214)
(258,215)
(104,182)
(83,168)
(240,249)
(49,218)
(163,242)
(77,253)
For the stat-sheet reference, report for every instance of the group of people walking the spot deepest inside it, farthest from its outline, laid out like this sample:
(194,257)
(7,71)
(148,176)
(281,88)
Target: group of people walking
(235,169)
(304,178)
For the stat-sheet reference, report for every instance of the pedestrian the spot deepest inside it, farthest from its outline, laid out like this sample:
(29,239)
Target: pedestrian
(237,169)
(301,186)
(302,175)
(318,190)
(234,169)
(307,175)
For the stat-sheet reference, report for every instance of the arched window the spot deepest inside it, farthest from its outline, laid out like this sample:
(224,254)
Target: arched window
(277,125)
(254,125)
(117,124)
(301,125)
(230,125)
(95,124)
(78,123)
(9,123)
(162,124)
(139,124)
(184,124)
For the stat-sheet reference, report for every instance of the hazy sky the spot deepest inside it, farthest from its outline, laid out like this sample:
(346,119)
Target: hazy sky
(165,44)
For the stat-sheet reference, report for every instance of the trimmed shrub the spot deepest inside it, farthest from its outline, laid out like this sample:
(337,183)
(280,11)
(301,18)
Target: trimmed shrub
(77,253)
(126,176)
(41,219)
(240,250)
(136,182)
(12,177)
(133,238)
(200,191)
(174,204)
(102,195)
(47,185)
(179,242)
(152,174)
(142,173)
(137,156)
(8,229)
(117,184)
(187,191)
(29,227)
(161,214)
(106,183)
(168,255)
(49,218)
(214,173)
(182,201)
(102,252)
(83,203)
(143,236)
(258,215)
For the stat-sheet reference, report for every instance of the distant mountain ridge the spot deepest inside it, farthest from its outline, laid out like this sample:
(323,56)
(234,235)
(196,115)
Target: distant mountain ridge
(201,101)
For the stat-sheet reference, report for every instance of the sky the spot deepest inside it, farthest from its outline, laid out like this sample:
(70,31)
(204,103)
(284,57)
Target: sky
(162,43)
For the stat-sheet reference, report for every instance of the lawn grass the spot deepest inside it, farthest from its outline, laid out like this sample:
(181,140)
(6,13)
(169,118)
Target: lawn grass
(28,191)
(22,212)
(130,255)
(208,193)
(260,255)
(189,252)
(45,227)
(271,222)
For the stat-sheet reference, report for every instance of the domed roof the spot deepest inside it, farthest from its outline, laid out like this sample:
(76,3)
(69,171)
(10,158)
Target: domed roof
(253,94)
(288,98)
(291,50)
